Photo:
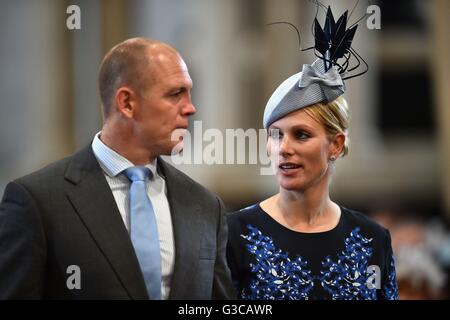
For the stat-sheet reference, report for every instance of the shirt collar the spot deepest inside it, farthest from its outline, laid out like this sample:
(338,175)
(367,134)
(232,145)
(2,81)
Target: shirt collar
(113,163)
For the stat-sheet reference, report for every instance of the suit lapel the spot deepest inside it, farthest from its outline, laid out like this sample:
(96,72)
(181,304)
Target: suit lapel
(187,228)
(95,204)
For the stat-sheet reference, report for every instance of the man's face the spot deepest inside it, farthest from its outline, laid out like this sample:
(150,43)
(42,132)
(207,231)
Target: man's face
(165,105)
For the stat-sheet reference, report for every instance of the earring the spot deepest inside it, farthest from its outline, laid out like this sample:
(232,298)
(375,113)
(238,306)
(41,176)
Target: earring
(333,158)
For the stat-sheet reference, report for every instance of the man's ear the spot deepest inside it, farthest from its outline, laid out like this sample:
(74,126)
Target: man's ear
(337,145)
(125,99)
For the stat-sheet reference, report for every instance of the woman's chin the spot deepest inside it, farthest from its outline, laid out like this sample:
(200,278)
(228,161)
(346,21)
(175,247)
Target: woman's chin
(291,185)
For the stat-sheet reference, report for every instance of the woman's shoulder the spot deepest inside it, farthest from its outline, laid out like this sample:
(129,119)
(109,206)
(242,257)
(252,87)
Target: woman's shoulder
(244,214)
(364,223)
(240,220)
(250,215)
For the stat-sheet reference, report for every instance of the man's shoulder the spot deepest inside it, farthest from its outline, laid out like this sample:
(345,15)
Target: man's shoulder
(171,172)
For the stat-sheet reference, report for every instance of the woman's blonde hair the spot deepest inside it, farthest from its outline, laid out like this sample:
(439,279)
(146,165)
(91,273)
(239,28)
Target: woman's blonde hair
(334,116)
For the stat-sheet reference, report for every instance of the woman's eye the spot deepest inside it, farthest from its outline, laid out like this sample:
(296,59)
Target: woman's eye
(301,135)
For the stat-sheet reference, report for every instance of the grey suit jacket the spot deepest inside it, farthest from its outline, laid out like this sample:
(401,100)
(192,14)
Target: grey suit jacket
(65,215)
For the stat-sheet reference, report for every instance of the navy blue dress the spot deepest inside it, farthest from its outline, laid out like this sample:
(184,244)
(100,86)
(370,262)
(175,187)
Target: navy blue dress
(271,262)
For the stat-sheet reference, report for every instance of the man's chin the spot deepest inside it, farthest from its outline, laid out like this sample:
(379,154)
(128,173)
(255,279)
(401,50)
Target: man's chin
(177,141)
(176,148)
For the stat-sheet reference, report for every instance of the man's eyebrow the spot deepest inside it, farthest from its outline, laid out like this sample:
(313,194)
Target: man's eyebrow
(178,89)
(180,85)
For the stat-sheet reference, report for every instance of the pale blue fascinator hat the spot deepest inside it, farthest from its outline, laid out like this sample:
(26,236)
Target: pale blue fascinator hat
(323,80)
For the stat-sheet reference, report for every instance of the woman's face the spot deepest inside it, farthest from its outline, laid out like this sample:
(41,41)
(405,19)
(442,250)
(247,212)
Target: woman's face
(300,149)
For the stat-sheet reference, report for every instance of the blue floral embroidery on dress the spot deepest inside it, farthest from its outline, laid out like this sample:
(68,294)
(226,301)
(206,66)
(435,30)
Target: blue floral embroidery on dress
(279,277)
(348,277)
(390,290)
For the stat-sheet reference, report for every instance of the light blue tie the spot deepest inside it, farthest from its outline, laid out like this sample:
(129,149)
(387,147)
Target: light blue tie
(144,230)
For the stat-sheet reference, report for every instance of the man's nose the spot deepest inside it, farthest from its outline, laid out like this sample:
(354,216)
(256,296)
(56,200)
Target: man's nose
(189,109)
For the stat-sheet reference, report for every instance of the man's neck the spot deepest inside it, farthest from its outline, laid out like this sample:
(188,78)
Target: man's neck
(126,148)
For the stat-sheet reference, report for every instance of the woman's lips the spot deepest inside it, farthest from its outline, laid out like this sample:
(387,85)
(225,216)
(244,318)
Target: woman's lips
(289,168)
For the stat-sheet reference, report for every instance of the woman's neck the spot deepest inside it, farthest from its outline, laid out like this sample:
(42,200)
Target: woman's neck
(307,211)
(310,211)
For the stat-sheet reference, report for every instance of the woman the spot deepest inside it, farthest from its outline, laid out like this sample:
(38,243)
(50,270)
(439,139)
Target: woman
(299,244)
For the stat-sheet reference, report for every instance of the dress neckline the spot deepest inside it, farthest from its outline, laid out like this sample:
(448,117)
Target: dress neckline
(320,233)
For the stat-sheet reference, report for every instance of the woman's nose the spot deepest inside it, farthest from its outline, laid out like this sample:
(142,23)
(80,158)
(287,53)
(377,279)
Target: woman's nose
(285,146)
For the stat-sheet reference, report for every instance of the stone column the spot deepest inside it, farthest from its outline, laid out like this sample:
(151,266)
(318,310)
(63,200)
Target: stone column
(441,74)
(87,50)
(35,87)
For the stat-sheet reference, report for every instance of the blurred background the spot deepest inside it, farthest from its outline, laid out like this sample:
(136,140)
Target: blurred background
(398,169)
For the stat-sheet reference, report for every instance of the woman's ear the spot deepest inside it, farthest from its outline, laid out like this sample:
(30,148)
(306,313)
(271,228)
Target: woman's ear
(337,145)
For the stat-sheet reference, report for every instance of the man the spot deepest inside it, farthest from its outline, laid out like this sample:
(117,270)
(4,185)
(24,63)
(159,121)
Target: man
(114,221)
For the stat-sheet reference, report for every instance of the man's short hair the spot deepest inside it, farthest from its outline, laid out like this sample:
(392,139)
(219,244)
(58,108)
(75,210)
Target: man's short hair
(125,64)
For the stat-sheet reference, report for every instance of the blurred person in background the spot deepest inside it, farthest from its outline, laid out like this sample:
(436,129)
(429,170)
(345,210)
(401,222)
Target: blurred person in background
(422,255)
